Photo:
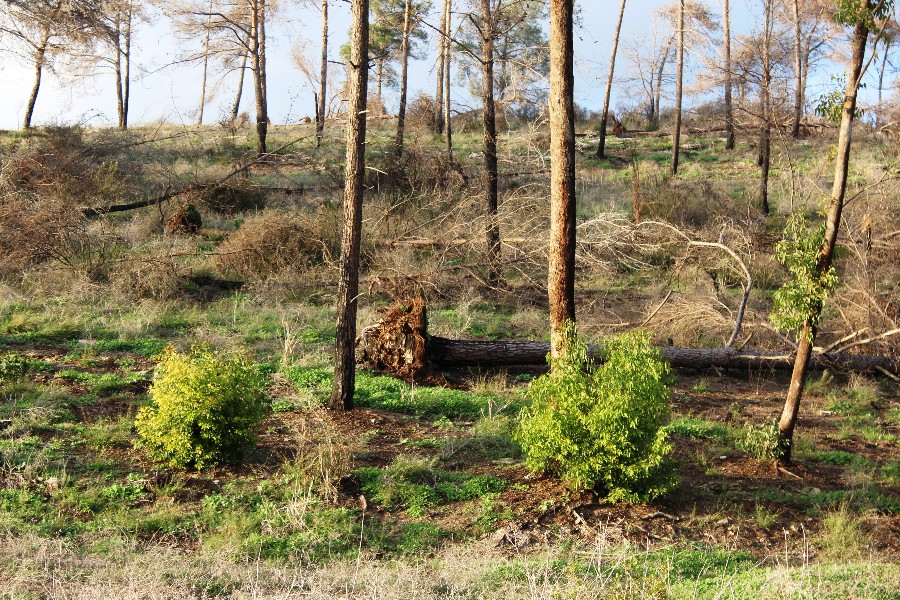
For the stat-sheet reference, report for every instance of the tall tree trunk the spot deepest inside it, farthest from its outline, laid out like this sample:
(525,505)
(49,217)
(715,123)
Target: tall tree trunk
(489,122)
(825,256)
(729,108)
(240,86)
(659,75)
(118,67)
(601,147)
(676,132)
(884,60)
(348,285)
(561,276)
(804,79)
(798,72)
(323,79)
(205,68)
(765,130)
(126,93)
(448,125)
(379,81)
(439,93)
(259,73)
(404,60)
(40,57)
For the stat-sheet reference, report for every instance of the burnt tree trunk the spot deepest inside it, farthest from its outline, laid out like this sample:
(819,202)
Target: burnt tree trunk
(561,271)
(489,123)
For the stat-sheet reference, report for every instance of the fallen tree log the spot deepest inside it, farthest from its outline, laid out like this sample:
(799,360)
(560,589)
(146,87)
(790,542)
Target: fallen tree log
(400,345)
(448,352)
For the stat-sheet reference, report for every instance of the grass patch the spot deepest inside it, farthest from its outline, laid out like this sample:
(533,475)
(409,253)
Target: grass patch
(414,485)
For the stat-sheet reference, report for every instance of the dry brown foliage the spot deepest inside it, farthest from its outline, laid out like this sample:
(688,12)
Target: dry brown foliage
(271,243)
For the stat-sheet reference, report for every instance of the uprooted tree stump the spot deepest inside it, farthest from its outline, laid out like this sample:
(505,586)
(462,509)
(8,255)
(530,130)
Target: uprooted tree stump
(400,345)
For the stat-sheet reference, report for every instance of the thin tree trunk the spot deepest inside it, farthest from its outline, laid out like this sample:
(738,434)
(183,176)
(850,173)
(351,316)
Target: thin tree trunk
(489,122)
(117,67)
(205,68)
(825,256)
(448,125)
(127,85)
(561,275)
(323,79)
(765,130)
(40,57)
(240,87)
(798,70)
(256,50)
(729,108)
(884,60)
(659,75)
(378,83)
(348,286)
(676,133)
(601,147)
(439,93)
(404,60)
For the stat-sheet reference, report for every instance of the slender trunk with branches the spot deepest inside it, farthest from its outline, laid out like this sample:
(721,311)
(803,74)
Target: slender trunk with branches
(676,132)
(439,93)
(825,254)
(798,73)
(726,49)
(601,147)
(404,63)
(323,79)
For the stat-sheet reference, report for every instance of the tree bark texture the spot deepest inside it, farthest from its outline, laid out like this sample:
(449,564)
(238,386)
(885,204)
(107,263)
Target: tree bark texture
(323,79)
(729,108)
(561,272)
(676,133)
(404,63)
(348,285)
(655,114)
(489,123)
(601,147)
(832,226)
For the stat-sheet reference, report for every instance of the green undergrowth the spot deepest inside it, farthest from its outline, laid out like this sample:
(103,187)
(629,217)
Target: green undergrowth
(388,393)
(415,485)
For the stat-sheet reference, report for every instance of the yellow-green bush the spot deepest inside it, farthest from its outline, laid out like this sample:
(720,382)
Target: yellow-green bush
(602,427)
(206,408)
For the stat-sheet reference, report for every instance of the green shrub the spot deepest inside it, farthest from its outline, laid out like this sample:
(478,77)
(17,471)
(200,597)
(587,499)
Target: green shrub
(602,427)
(206,408)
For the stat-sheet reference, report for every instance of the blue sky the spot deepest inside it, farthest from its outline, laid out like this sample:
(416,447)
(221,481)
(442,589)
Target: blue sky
(172,92)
